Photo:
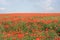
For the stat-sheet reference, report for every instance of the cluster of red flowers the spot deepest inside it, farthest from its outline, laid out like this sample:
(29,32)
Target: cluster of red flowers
(30,28)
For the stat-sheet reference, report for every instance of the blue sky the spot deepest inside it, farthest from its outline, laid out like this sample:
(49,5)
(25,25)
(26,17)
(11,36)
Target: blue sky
(7,6)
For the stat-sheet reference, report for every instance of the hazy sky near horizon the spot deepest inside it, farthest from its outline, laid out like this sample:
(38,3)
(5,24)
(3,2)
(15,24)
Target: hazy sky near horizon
(29,6)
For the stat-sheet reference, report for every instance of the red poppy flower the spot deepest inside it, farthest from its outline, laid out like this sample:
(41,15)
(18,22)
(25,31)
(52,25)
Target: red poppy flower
(43,21)
(9,35)
(20,35)
(57,38)
(46,29)
(38,38)
(13,33)
(23,19)
(34,20)
(49,21)
(55,21)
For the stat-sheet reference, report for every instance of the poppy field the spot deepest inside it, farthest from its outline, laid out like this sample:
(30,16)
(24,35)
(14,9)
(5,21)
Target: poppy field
(30,27)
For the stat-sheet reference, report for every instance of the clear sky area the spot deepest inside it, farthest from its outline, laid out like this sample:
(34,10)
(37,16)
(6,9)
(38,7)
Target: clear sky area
(29,6)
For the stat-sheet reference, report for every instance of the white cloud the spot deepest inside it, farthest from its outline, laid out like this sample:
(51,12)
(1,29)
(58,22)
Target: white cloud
(2,8)
(49,8)
(46,5)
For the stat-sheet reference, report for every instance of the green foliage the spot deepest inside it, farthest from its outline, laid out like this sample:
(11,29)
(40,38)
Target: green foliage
(39,28)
